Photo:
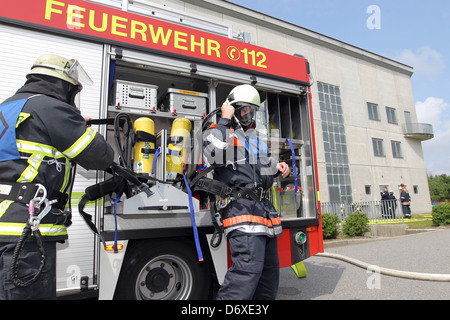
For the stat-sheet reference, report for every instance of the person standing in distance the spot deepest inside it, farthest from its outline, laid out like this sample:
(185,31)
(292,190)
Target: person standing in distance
(405,200)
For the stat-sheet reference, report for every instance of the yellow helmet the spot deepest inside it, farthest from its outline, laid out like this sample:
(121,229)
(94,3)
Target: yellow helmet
(69,70)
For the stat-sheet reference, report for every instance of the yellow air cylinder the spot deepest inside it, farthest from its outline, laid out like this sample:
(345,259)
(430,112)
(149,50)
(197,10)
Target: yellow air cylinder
(143,162)
(180,133)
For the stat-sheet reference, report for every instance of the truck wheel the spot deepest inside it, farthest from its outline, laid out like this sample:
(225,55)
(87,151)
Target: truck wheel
(163,270)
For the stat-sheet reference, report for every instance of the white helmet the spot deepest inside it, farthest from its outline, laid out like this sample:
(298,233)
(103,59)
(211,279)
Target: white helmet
(244,93)
(69,70)
(243,96)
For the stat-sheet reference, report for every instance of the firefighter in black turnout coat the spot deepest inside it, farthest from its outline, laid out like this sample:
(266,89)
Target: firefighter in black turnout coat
(250,221)
(45,137)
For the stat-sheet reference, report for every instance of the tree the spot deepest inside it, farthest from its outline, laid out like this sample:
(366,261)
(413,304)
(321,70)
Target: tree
(439,187)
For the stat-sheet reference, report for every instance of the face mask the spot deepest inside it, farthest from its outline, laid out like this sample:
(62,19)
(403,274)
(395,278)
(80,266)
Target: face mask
(245,113)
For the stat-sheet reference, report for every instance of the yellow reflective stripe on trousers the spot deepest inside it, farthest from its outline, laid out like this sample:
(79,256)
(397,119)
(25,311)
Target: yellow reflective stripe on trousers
(4,205)
(16,229)
(81,143)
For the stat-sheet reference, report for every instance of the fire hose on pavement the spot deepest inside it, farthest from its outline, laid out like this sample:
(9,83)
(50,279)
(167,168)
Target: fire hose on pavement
(388,272)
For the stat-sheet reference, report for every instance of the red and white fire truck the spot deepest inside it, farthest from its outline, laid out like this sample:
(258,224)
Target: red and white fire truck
(155,65)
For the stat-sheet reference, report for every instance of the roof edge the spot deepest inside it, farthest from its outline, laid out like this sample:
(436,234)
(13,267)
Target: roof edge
(247,14)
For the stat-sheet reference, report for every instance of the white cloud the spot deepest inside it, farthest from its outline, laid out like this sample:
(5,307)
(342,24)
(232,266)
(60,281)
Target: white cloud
(425,61)
(432,111)
(436,154)
(436,111)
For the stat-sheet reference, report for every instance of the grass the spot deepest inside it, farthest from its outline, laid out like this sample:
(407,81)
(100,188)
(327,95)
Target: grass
(418,221)
(420,224)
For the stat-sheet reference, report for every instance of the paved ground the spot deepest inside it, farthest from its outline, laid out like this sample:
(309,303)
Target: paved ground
(331,279)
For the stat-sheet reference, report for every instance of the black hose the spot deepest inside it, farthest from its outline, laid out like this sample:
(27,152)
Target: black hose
(14,268)
(209,116)
(123,121)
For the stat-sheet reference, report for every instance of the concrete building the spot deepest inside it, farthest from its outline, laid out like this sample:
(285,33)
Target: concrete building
(367,135)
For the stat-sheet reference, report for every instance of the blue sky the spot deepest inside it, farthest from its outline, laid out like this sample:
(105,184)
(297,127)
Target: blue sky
(413,32)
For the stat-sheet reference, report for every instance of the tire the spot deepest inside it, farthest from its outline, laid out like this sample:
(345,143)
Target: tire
(163,269)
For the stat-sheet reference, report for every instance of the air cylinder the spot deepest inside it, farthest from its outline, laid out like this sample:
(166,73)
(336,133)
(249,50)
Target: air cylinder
(143,157)
(178,144)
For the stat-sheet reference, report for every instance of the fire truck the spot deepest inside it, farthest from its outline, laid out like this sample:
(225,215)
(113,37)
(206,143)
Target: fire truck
(158,72)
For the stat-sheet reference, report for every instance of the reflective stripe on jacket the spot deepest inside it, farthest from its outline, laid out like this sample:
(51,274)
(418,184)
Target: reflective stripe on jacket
(247,162)
(405,199)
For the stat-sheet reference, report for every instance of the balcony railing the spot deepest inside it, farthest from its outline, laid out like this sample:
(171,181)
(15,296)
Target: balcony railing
(420,131)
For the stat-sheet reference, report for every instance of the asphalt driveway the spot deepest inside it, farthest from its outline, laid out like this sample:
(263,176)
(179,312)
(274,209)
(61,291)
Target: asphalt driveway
(331,279)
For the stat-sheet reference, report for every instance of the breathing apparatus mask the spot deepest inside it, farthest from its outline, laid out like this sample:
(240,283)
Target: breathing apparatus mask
(245,114)
(246,100)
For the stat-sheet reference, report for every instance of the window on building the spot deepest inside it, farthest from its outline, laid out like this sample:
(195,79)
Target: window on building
(396,149)
(408,121)
(416,189)
(372,108)
(335,143)
(378,150)
(368,190)
(390,112)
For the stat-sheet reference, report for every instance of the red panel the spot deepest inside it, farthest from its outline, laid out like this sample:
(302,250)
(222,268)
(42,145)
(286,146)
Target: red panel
(317,246)
(116,26)
(229,261)
(284,249)
(314,243)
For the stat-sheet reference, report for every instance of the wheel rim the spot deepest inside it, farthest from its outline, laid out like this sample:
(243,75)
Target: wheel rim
(165,277)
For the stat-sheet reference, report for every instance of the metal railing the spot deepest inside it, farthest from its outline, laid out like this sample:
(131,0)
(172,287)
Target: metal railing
(421,131)
(386,211)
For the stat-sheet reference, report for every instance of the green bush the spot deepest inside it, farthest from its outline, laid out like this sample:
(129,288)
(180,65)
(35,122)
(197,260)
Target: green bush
(330,225)
(356,224)
(441,214)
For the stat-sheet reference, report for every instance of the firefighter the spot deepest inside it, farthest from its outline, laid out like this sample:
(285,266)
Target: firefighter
(405,200)
(385,203)
(250,221)
(45,137)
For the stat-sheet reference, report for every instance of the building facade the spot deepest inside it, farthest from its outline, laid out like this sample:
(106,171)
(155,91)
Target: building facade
(366,131)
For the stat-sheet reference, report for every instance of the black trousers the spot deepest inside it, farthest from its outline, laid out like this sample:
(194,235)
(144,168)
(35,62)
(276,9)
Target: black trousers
(29,261)
(406,210)
(255,272)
